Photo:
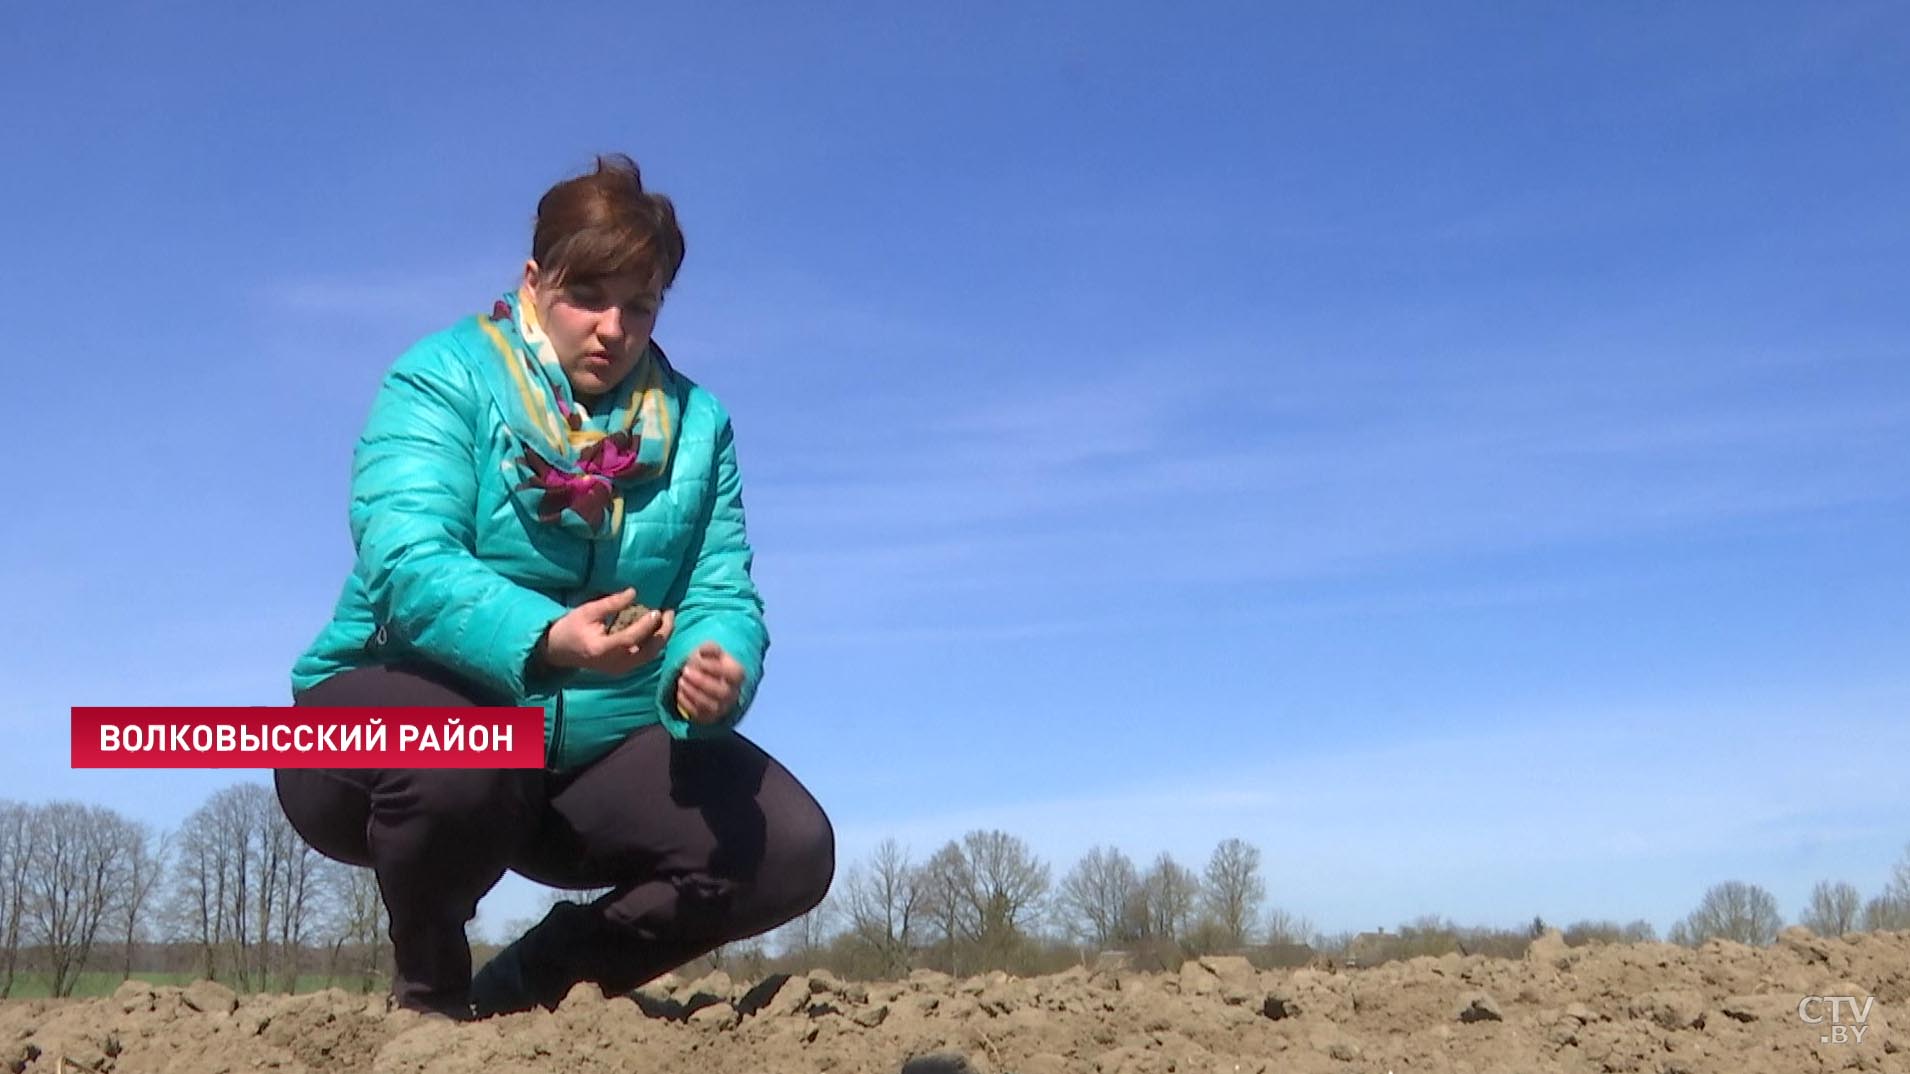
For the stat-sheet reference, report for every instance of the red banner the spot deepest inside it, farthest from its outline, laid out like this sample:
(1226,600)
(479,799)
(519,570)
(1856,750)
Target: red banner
(263,737)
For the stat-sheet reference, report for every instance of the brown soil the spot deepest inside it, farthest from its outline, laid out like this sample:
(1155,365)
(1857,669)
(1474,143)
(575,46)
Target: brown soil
(1648,1007)
(624,618)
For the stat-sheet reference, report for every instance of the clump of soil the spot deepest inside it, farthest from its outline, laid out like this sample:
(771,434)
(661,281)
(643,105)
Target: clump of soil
(1649,1008)
(625,617)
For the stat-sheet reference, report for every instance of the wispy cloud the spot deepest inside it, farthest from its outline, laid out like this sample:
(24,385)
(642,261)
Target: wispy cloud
(1067,483)
(439,290)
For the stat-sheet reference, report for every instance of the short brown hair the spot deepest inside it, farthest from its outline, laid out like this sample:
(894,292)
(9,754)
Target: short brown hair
(603,224)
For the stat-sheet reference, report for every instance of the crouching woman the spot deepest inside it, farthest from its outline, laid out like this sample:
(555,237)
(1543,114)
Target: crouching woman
(528,481)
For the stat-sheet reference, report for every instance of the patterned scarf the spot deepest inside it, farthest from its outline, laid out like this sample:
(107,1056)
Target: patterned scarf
(574,468)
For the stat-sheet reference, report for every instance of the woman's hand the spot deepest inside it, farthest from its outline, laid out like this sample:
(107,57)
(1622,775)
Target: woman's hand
(579,639)
(709,686)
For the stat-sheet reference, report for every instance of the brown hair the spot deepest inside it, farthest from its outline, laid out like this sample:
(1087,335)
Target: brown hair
(603,224)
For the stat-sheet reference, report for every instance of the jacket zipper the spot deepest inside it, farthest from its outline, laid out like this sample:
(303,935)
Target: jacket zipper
(557,729)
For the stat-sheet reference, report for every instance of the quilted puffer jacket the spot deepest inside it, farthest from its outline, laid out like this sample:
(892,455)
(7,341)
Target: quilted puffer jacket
(451,569)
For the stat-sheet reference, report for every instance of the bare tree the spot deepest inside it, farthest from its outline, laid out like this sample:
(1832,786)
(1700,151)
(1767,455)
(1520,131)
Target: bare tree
(357,923)
(245,888)
(239,822)
(1285,928)
(198,905)
(1891,909)
(1639,930)
(1833,909)
(806,935)
(1580,933)
(984,894)
(296,902)
(1886,914)
(1004,886)
(883,899)
(272,893)
(77,874)
(1234,889)
(17,831)
(331,927)
(1427,934)
(941,881)
(1336,945)
(145,867)
(1735,911)
(1169,890)
(1099,897)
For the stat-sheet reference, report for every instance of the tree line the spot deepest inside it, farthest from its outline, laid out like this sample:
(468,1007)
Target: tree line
(234,894)
(987,902)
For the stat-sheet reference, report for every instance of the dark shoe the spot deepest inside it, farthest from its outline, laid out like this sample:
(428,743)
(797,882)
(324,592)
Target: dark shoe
(539,968)
(431,1011)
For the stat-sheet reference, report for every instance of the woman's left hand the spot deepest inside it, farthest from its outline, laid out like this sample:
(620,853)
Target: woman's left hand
(709,686)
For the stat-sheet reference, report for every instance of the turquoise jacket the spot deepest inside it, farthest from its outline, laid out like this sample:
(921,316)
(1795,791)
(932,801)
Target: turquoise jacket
(451,569)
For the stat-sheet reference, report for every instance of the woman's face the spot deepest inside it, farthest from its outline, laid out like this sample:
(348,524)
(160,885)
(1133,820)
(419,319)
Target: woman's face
(599,328)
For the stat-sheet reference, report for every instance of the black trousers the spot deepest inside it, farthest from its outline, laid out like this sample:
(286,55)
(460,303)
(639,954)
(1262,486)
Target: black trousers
(702,842)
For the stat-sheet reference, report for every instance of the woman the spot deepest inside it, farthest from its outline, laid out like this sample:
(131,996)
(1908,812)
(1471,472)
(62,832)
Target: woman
(529,479)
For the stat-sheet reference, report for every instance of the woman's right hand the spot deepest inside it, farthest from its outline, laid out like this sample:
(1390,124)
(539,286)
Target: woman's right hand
(578,639)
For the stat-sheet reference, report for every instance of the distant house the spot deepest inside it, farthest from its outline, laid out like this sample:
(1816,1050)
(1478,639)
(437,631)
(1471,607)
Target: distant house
(1372,948)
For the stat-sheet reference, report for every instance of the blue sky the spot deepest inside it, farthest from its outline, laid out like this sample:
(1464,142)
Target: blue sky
(1458,448)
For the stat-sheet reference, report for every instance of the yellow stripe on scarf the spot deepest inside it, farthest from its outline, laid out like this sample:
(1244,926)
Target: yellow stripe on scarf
(646,394)
(534,404)
(531,328)
(650,388)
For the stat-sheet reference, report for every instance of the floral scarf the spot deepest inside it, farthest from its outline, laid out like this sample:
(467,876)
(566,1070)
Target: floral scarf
(573,468)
